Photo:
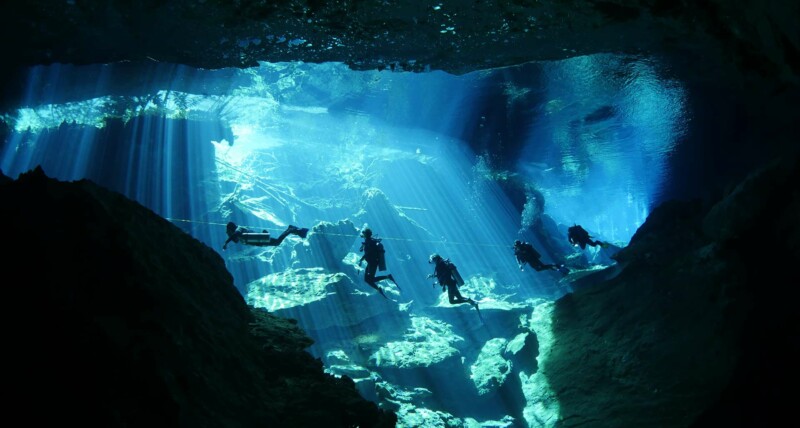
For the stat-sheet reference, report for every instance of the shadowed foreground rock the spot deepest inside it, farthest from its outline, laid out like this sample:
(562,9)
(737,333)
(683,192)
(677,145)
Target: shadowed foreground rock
(117,318)
(698,329)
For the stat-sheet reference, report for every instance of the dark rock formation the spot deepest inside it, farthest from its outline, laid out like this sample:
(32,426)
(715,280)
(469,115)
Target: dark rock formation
(695,330)
(742,43)
(455,36)
(118,318)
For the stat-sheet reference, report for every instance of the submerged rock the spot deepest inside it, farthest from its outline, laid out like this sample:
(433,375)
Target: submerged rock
(146,320)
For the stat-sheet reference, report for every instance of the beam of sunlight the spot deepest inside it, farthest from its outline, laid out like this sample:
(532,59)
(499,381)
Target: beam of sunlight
(325,148)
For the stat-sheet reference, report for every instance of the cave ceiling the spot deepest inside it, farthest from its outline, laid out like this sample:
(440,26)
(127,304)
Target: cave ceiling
(760,39)
(745,51)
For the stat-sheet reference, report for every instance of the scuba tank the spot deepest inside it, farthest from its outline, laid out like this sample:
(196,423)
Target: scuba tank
(251,238)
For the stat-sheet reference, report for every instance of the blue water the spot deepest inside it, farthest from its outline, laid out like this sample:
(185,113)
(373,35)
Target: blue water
(457,165)
(594,132)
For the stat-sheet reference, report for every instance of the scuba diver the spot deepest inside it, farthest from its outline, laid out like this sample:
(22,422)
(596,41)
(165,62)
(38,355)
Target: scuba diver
(245,236)
(525,253)
(374,255)
(579,236)
(447,276)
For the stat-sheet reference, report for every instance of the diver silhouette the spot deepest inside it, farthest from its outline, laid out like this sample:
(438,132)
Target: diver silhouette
(577,235)
(374,256)
(245,236)
(525,253)
(447,276)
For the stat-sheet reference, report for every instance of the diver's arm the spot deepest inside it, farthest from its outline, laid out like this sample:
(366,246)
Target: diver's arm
(235,236)
(433,275)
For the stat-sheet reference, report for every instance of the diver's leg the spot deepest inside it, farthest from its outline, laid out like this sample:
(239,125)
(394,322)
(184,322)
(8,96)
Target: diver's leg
(455,296)
(461,300)
(545,266)
(389,277)
(375,286)
(599,243)
(299,231)
(538,265)
(369,277)
(369,273)
(274,242)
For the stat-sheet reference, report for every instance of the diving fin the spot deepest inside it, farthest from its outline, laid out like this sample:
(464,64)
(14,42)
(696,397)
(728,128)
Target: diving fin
(391,278)
(475,305)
